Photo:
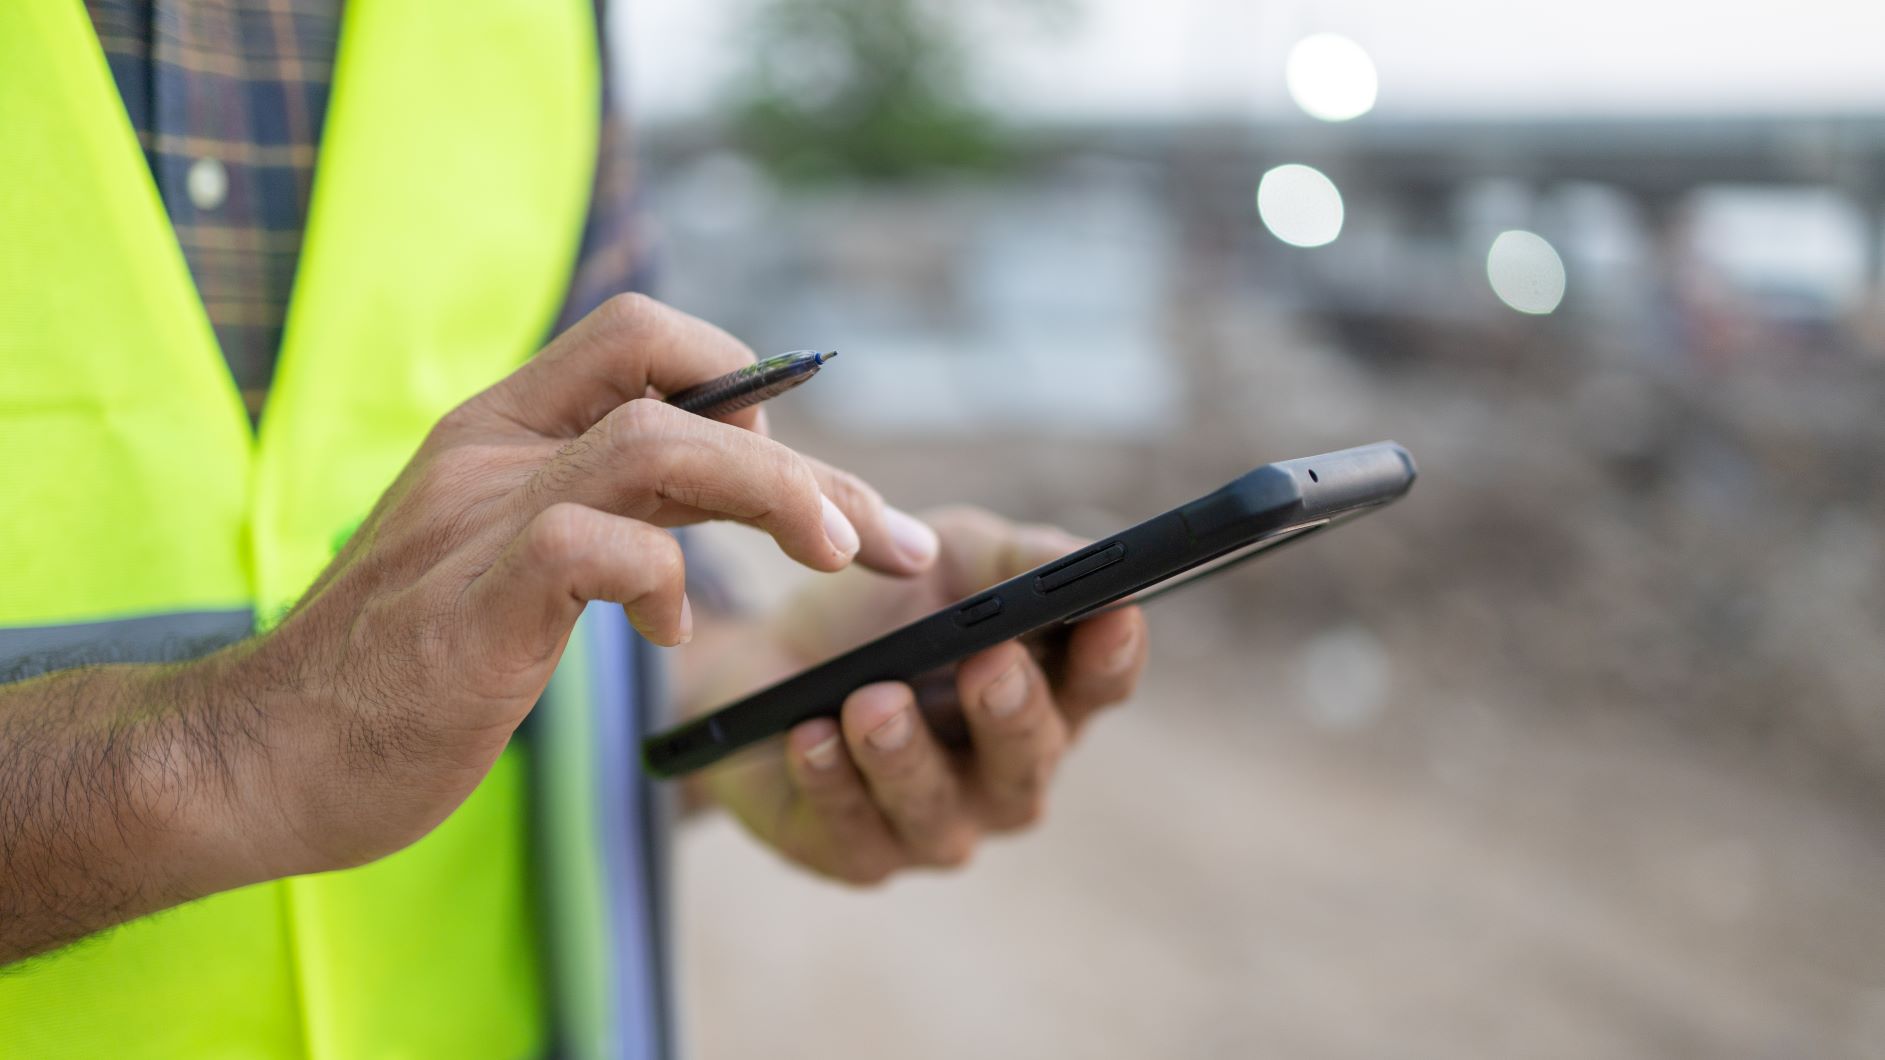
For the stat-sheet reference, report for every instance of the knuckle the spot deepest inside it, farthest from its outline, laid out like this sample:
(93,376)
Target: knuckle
(451,426)
(627,312)
(637,435)
(853,493)
(450,465)
(780,482)
(559,534)
(639,421)
(789,472)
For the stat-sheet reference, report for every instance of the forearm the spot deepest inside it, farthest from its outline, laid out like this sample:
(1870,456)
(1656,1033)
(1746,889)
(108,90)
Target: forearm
(119,787)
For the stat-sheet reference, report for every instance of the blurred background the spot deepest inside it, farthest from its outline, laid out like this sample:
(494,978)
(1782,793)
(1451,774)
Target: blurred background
(1580,750)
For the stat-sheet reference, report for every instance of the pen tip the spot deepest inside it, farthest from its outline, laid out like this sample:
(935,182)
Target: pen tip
(826,357)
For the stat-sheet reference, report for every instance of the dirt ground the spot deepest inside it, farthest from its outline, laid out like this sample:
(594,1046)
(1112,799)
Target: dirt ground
(1241,863)
(1220,879)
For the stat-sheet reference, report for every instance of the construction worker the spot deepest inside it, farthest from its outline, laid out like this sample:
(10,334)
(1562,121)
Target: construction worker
(298,534)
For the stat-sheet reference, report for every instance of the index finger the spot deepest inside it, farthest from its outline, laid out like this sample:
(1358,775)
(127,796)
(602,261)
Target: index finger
(612,356)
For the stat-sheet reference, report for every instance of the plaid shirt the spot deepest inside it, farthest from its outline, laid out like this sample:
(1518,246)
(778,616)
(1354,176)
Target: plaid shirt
(227,97)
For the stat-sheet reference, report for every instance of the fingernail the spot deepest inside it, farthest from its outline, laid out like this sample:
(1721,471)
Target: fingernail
(1006,695)
(912,536)
(838,529)
(1120,658)
(824,753)
(687,620)
(892,734)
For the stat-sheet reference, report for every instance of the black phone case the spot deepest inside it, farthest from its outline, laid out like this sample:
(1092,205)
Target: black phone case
(1271,500)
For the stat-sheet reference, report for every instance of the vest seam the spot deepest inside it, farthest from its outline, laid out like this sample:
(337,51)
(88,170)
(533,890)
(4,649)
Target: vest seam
(297,987)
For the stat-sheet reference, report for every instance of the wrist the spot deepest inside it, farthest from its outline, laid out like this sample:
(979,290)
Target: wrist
(220,786)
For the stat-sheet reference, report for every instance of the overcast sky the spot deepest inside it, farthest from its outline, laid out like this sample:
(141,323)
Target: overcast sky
(1437,58)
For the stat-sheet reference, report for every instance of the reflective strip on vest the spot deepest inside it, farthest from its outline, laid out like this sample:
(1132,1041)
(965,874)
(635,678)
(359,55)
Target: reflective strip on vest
(31,651)
(454,174)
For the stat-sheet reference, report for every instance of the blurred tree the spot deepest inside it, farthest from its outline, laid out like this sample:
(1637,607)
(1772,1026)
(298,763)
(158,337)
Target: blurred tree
(872,89)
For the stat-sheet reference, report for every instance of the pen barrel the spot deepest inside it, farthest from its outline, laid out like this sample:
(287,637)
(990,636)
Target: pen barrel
(749,386)
(732,395)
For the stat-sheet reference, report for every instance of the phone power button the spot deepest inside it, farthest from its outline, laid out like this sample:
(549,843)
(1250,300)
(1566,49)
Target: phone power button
(978,611)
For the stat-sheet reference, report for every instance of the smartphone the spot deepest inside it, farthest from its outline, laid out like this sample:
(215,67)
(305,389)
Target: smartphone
(1253,514)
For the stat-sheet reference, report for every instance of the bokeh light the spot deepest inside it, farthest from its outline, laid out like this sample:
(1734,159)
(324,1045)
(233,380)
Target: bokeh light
(1526,272)
(1331,77)
(1299,205)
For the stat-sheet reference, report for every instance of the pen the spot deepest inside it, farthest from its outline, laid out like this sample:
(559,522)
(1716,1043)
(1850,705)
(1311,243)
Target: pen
(750,385)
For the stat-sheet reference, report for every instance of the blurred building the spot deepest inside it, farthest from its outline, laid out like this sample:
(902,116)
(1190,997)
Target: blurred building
(1612,271)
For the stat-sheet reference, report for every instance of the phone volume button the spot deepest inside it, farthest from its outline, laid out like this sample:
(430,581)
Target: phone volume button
(978,611)
(1072,569)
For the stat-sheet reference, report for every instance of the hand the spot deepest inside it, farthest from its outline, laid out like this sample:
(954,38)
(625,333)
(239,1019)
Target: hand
(387,693)
(876,791)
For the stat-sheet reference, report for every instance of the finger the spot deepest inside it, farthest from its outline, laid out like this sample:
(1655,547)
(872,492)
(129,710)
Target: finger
(651,461)
(908,774)
(1018,735)
(1105,656)
(613,355)
(567,556)
(980,549)
(849,836)
(894,542)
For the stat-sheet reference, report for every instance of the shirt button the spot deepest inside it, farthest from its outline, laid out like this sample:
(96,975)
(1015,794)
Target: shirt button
(208,183)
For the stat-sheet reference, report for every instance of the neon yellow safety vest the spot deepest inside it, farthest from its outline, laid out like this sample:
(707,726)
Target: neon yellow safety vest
(143,518)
